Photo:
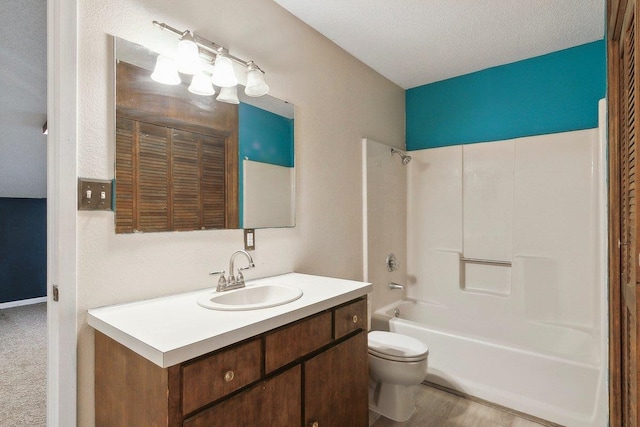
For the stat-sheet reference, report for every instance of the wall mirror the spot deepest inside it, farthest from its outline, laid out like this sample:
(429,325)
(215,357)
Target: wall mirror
(190,162)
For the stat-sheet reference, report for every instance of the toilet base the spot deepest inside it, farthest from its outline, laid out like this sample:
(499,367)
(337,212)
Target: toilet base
(396,402)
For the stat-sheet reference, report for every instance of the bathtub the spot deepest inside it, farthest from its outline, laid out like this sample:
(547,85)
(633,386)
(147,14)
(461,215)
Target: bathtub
(548,371)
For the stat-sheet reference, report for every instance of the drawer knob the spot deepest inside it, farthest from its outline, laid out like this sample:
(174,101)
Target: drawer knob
(228,376)
(355,318)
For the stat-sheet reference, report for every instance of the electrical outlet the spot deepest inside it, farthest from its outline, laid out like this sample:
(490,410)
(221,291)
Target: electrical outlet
(94,194)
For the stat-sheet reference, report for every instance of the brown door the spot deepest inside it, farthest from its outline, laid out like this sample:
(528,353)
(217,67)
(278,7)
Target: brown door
(624,255)
(332,398)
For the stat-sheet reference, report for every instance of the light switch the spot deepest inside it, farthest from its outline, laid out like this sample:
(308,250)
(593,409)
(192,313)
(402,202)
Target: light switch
(94,194)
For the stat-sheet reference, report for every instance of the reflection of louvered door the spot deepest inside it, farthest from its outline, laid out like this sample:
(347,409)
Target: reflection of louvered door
(168,179)
(152,173)
(624,114)
(198,181)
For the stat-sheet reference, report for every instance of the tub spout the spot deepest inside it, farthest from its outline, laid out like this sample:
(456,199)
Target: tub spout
(394,285)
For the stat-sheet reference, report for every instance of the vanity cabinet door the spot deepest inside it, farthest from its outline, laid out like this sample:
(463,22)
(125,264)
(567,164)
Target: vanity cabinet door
(335,386)
(291,342)
(276,402)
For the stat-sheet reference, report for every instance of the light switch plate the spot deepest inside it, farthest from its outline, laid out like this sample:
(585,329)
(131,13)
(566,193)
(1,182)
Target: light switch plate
(94,194)
(249,239)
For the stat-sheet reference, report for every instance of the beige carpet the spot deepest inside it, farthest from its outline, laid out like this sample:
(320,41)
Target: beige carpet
(23,365)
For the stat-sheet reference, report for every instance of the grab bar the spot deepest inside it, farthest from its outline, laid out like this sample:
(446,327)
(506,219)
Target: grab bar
(486,261)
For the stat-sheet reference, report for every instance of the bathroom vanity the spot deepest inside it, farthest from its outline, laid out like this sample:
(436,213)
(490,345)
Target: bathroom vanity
(171,362)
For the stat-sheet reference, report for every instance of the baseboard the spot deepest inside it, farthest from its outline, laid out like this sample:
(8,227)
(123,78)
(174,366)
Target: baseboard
(22,302)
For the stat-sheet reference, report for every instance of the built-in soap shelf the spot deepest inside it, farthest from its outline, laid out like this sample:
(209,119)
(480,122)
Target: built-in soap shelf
(486,262)
(485,276)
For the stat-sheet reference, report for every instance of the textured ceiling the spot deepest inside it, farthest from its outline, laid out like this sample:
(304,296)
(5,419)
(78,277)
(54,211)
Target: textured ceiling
(23,98)
(415,42)
(411,42)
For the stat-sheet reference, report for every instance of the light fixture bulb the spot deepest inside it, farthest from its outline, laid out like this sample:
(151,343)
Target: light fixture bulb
(165,71)
(228,95)
(188,56)
(255,81)
(201,85)
(223,74)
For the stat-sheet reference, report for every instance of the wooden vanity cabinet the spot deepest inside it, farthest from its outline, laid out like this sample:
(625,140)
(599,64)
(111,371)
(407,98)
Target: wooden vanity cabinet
(228,370)
(286,344)
(276,401)
(333,385)
(312,372)
(349,317)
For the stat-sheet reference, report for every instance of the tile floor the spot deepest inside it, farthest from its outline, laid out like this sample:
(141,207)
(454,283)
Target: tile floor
(437,408)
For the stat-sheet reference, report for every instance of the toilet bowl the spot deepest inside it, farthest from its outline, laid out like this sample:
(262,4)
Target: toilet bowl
(397,363)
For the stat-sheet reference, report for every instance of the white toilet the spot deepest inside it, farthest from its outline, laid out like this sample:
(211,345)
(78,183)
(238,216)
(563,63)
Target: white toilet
(397,363)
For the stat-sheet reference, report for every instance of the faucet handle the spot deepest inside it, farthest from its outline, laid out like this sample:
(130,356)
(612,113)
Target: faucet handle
(222,282)
(240,277)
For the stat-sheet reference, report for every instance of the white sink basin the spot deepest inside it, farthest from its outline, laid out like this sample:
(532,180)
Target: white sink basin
(250,298)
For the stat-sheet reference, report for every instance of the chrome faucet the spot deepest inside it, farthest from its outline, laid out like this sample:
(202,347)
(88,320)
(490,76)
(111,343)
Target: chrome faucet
(393,285)
(233,282)
(238,280)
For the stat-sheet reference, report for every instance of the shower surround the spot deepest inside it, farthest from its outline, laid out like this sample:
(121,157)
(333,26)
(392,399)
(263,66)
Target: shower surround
(506,272)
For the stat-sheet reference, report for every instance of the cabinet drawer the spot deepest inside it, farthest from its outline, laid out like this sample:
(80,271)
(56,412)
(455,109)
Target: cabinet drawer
(291,342)
(274,402)
(217,375)
(349,318)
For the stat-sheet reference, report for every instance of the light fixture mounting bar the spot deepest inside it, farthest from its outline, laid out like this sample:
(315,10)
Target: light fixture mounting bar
(206,44)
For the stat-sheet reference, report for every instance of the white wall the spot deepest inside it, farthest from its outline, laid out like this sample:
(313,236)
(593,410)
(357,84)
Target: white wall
(338,100)
(268,195)
(386,213)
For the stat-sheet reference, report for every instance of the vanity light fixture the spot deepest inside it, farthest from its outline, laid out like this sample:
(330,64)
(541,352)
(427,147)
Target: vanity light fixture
(255,81)
(201,84)
(207,52)
(188,55)
(229,95)
(223,74)
(165,71)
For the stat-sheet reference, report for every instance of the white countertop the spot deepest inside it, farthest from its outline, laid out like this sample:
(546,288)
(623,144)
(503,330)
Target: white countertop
(173,329)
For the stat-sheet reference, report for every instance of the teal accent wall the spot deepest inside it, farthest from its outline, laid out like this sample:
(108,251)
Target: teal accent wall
(264,137)
(557,92)
(23,249)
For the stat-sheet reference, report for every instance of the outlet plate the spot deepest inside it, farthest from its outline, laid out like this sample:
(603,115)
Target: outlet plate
(94,194)
(249,239)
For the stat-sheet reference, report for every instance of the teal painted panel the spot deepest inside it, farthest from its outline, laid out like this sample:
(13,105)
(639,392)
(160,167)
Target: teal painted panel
(265,137)
(557,92)
(23,249)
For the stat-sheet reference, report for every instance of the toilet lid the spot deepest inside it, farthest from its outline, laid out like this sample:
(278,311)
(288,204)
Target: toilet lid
(394,346)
